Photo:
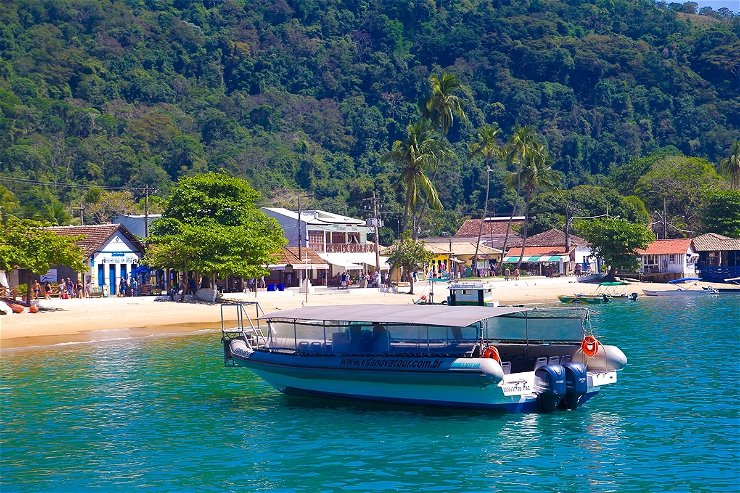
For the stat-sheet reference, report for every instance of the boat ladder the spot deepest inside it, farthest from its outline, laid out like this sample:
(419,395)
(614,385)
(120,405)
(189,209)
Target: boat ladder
(248,327)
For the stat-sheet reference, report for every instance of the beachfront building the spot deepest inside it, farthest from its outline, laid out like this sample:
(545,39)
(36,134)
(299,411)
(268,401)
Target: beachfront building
(452,256)
(340,241)
(664,260)
(139,224)
(111,252)
(719,257)
(291,267)
(492,230)
(553,253)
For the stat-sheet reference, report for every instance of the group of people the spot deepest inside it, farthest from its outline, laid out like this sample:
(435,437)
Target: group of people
(67,289)
(126,288)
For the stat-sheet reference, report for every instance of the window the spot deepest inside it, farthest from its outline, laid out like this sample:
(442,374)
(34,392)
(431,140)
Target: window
(672,258)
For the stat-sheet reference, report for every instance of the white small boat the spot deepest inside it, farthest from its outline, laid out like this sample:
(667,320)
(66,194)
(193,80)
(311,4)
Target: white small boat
(517,359)
(692,290)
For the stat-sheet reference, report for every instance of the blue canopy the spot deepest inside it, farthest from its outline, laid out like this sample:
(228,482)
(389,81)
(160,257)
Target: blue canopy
(142,269)
(684,279)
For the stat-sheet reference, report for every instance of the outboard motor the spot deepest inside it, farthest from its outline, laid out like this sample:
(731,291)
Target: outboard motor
(549,384)
(576,384)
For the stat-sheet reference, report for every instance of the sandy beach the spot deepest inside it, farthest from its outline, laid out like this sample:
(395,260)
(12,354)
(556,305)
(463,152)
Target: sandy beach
(78,320)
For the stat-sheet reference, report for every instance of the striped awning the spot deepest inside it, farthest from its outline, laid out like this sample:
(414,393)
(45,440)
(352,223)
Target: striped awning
(538,258)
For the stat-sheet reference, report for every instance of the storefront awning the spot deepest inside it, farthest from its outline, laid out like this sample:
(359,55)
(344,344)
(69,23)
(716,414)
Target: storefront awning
(298,266)
(354,261)
(538,259)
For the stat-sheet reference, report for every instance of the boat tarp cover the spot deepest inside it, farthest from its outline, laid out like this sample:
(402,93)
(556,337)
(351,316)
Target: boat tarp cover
(439,315)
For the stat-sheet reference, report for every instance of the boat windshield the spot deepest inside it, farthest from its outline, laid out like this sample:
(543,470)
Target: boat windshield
(538,326)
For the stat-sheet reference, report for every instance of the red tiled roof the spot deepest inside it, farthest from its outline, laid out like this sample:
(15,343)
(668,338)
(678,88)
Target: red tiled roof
(554,237)
(713,242)
(664,247)
(289,256)
(94,236)
(471,227)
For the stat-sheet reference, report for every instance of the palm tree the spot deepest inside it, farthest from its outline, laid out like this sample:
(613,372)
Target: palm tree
(519,148)
(416,155)
(730,166)
(535,174)
(486,146)
(443,105)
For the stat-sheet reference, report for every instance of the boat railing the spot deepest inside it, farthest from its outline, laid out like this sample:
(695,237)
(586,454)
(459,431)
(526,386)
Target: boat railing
(248,327)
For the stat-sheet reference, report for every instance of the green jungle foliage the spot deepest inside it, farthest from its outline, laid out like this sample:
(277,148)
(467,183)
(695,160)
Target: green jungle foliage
(306,96)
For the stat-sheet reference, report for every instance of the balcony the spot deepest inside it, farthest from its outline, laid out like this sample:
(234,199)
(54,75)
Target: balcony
(342,247)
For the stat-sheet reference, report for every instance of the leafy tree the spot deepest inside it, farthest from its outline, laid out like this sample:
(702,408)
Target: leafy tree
(615,240)
(408,254)
(721,213)
(212,225)
(730,166)
(678,186)
(24,244)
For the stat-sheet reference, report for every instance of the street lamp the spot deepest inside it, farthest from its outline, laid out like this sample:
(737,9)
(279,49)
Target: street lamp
(485,213)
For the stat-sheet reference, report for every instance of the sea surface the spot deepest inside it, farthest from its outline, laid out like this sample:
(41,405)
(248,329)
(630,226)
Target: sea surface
(164,414)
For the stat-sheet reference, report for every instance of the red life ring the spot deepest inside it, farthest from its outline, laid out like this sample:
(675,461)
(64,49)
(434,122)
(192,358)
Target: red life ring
(590,346)
(492,352)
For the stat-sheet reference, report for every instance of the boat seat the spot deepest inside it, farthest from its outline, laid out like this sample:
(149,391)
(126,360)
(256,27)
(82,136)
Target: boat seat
(303,346)
(541,361)
(316,347)
(506,366)
(553,360)
(566,359)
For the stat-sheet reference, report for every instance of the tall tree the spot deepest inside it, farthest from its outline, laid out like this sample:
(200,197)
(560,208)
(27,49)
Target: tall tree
(516,151)
(615,240)
(416,156)
(486,145)
(24,244)
(730,166)
(408,254)
(444,105)
(212,225)
(535,174)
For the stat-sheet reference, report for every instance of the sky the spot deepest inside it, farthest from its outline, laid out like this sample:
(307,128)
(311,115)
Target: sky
(733,5)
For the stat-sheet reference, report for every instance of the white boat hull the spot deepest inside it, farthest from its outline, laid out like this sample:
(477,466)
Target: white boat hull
(450,382)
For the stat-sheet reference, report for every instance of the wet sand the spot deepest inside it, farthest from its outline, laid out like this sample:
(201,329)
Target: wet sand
(80,320)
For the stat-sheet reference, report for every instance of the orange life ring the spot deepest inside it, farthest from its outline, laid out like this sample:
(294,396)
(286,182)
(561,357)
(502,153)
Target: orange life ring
(590,346)
(16,308)
(33,309)
(492,352)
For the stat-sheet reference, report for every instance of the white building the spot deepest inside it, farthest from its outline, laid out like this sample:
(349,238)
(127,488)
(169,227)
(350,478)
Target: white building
(340,240)
(111,253)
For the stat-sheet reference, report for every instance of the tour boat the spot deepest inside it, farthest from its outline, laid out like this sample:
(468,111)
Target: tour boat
(517,359)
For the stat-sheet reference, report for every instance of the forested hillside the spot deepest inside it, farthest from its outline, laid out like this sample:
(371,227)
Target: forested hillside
(307,95)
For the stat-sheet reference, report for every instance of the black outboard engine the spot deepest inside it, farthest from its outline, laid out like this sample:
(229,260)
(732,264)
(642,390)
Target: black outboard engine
(576,384)
(549,384)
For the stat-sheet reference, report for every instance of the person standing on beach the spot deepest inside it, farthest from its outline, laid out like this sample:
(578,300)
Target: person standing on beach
(516,274)
(36,289)
(47,290)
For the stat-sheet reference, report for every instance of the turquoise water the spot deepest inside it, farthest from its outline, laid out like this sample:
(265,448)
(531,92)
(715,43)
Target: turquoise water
(164,414)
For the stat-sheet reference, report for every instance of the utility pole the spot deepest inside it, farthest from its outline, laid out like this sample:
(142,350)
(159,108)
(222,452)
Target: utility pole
(665,222)
(377,241)
(82,214)
(299,227)
(147,191)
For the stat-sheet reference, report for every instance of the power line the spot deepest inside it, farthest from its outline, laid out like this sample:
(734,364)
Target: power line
(57,184)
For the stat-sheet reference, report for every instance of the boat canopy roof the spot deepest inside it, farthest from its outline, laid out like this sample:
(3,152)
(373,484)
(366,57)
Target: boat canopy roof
(437,315)
(684,279)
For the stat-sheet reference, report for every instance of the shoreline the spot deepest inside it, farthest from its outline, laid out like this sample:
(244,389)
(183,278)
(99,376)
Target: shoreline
(96,319)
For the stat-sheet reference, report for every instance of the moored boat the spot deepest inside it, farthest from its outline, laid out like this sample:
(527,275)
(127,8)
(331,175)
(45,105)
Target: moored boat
(692,290)
(588,299)
(517,359)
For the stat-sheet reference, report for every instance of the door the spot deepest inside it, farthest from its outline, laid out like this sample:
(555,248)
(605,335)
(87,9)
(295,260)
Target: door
(112,279)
